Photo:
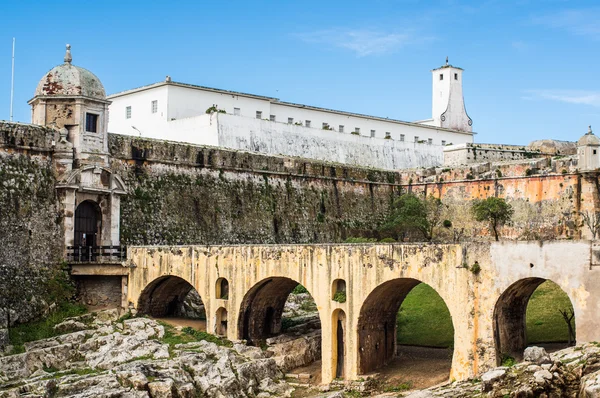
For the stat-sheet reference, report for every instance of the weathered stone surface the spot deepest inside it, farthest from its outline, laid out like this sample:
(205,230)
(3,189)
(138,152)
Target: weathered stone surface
(537,355)
(129,360)
(69,326)
(291,352)
(488,378)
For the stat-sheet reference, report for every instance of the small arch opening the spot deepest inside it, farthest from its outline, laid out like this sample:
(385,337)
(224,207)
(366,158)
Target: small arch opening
(338,291)
(221,322)
(339,341)
(222,289)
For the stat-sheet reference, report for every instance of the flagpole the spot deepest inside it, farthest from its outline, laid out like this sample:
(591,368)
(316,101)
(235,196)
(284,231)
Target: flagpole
(12,81)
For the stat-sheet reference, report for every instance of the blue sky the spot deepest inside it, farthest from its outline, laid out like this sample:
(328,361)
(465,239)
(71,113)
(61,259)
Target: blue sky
(530,66)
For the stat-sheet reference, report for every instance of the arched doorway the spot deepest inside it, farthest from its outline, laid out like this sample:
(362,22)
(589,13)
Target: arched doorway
(391,317)
(339,343)
(530,312)
(175,298)
(87,224)
(278,314)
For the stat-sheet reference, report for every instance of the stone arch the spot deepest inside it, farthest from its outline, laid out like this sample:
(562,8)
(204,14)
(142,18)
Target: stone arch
(221,322)
(337,286)
(509,319)
(222,289)
(339,338)
(262,307)
(164,296)
(88,224)
(376,331)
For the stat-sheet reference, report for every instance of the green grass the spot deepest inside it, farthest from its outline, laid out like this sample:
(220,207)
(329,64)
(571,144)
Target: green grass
(424,319)
(44,328)
(172,337)
(544,321)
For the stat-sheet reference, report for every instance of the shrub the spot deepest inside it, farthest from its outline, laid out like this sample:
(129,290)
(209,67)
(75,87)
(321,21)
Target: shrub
(340,296)
(493,210)
(475,268)
(299,289)
(447,224)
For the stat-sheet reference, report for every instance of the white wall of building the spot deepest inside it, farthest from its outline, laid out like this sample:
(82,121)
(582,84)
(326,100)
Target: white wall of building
(148,124)
(448,106)
(187,102)
(291,140)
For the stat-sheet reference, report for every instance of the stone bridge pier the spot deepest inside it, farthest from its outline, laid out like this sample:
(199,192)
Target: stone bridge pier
(244,288)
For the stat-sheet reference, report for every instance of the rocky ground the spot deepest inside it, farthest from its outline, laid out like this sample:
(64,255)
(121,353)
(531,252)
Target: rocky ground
(102,357)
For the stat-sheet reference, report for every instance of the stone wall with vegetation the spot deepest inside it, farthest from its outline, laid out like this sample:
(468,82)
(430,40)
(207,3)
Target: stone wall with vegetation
(184,194)
(30,233)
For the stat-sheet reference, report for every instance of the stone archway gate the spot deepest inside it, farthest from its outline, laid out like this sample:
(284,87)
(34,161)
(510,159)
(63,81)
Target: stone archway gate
(470,297)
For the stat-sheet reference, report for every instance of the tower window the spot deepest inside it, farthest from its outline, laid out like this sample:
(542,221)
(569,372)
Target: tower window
(290,120)
(128,112)
(443,142)
(307,123)
(341,128)
(357,130)
(416,138)
(91,123)
(456,76)
(154,106)
(237,111)
(272,118)
(430,141)
(372,133)
(594,151)
(258,114)
(401,137)
(441,76)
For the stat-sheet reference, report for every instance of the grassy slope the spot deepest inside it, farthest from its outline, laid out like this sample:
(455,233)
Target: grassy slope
(423,318)
(544,321)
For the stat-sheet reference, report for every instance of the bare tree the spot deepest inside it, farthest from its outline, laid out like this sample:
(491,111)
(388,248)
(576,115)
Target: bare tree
(568,316)
(592,220)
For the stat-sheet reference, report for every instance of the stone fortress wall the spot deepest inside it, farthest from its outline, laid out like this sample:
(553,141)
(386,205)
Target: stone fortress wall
(187,194)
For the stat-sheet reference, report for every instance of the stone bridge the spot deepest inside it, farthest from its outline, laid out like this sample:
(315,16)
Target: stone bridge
(244,288)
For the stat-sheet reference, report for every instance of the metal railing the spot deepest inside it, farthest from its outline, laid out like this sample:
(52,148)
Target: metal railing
(96,254)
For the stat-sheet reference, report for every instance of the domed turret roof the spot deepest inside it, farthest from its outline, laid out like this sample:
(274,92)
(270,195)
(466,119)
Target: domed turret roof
(67,79)
(589,139)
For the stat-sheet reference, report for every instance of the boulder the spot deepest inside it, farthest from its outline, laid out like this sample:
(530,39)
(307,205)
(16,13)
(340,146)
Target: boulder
(489,378)
(536,355)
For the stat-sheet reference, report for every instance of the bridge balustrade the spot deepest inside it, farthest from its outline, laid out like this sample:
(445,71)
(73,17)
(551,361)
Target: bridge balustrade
(96,254)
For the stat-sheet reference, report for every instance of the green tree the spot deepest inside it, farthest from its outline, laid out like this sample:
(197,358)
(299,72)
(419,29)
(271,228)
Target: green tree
(411,214)
(494,211)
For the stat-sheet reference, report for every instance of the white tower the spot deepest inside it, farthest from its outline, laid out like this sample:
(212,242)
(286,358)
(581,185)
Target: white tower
(448,104)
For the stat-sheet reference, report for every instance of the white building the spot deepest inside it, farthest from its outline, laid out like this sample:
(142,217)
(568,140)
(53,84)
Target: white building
(185,112)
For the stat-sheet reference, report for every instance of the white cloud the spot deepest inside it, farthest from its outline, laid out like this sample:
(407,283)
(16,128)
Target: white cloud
(362,42)
(580,97)
(581,22)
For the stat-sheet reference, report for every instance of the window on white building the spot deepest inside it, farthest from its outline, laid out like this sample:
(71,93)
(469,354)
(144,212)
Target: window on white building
(357,130)
(373,133)
(128,112)
(307,123)
(401,137)
(91,123)
(441,76)
(272,118)
(325,126)
(290,120)
(237,111)
(154,107)
(443,142)
(341,128)
(456,76)
(430,141)
(416,138)
(258,114)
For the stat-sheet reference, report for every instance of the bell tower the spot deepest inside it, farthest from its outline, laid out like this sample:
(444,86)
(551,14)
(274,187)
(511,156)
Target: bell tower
(448,105)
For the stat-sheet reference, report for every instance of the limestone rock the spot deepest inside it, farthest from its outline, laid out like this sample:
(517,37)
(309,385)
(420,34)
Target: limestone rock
(590,386)
(488,378)
(537,355)
(161,389)
(68,326)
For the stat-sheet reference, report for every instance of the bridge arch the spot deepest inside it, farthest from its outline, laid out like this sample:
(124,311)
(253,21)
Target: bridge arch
(377,323)
(262,308)
(510,317)
(164,296)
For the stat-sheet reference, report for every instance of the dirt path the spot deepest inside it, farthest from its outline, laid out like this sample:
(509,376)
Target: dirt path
(417,367)
(180,323)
